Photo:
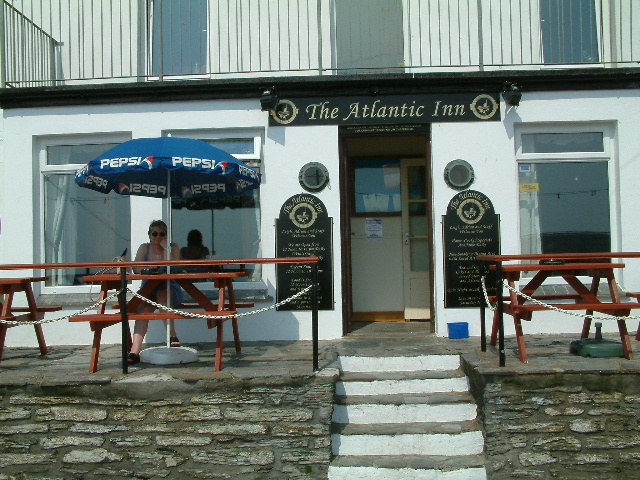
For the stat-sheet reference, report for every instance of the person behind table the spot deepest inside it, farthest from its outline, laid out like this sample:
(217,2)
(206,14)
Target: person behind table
(155,250)
(194,250)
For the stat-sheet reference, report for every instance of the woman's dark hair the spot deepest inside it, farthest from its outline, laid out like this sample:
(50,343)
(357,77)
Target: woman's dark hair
(157,224)
(194,237)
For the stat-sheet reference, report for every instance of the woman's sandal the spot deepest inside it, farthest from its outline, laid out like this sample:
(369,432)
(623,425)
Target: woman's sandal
(174,342)
(133,359)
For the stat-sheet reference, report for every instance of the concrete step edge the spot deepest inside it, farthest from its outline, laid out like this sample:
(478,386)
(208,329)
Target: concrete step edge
(409,461)
(424,428)
(442,444)
(410,386)
(406,399)
(405,473)
(398,375)
(368,414)
(397,364)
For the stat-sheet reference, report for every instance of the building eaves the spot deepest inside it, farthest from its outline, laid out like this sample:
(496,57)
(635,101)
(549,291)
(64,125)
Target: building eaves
(320,86)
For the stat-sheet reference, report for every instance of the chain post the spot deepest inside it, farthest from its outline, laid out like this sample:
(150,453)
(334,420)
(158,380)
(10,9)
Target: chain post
(124,319)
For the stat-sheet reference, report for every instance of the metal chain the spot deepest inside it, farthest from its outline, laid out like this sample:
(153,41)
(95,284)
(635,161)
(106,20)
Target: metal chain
(158,305)
(236,315)
(486,294)
(548,306)
(66,317)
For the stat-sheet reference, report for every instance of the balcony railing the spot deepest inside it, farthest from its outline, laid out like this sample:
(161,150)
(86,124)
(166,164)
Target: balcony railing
(66,42)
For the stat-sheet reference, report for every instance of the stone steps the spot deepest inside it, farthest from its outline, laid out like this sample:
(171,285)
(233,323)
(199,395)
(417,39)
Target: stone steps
(405,418)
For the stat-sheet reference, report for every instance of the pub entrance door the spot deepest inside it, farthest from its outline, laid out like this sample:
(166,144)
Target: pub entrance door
(388,251)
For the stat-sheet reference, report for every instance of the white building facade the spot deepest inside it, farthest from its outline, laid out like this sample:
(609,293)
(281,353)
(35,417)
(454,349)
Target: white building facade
(370,125)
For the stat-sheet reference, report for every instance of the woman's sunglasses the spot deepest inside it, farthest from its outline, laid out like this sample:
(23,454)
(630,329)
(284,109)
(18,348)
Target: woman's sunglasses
(162,234)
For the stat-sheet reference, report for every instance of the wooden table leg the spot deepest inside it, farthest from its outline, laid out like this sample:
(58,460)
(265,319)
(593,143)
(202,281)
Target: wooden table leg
(522,349)
(3,335)
(494,329)
(218,363)
(234,320)
(95,348)
(624,337)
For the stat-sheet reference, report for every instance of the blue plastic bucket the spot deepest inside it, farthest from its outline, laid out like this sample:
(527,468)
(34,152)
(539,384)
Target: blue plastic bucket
(458,330)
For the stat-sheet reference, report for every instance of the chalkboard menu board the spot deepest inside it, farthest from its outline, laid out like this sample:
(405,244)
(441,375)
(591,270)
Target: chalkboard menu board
(302,229)
(470,227)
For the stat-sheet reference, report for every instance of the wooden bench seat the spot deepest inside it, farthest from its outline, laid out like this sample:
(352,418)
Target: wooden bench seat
(598,307)
(115,317)
(189,305)
(43,309)
(544,296)
(100,321)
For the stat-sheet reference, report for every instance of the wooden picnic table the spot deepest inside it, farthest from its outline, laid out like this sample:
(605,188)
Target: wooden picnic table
(31,313)
(222,310)
(581,297)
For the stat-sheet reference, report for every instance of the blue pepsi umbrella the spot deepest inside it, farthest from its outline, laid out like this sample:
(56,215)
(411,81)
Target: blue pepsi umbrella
(167,167)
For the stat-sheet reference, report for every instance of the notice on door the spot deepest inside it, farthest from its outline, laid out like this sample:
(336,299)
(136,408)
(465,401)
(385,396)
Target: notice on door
(303,229)
(373,228)
(470,228)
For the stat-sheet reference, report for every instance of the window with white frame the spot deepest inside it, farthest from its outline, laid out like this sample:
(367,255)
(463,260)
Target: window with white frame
(563,175)
(230,226)
(79,224)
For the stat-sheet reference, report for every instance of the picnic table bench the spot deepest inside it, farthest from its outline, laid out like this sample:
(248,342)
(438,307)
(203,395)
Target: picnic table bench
(223,309)
(30,313)
(582,298)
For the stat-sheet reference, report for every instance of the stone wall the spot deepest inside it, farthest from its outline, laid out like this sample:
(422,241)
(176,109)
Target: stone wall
(219,429)
(566,425)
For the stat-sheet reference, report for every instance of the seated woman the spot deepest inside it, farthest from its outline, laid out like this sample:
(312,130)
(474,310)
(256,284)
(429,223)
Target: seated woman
(155,250)
(194,250)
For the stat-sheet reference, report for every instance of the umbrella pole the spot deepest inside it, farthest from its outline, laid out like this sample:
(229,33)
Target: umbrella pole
(168,254)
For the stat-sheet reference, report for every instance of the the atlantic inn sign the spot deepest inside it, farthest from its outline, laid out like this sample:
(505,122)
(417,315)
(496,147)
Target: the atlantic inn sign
(388,109)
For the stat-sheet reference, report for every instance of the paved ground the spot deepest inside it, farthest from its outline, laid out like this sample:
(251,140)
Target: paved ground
(69,364)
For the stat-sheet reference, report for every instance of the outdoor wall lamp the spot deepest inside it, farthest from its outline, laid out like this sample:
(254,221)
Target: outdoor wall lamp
(269,99)
(511,94)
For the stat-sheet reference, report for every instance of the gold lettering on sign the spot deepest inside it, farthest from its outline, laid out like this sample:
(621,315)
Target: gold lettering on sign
(322,111)
(375,110)
(448,110)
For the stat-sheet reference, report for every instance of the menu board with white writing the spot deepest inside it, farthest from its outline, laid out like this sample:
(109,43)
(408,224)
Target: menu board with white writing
(303,229)
(470,228)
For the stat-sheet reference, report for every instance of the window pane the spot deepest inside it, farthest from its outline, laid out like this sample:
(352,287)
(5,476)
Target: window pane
(231,227)
(377,186)
(234,146)
(179,37)
(369,35)
(562,142)
(81,225)
(76,154)
(231,232)
(564,207)
(569,32)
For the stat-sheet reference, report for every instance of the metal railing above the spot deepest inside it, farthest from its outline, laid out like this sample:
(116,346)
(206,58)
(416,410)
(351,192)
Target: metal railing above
(68,42)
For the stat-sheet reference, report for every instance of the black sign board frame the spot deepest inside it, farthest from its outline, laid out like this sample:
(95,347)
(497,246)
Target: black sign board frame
(303,229)
(470,228)
(387,109)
